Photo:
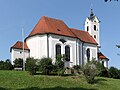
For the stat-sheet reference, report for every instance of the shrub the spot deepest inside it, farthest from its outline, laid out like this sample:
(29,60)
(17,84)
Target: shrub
(77,69)
(18,63)
(104,73)
(31,65)
(6,65)
(59,64)
(92,69)
(45,65)
(114,72)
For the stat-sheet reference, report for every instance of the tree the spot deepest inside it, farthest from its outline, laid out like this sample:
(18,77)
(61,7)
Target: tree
(45,65)
(18,63)
(114,72)
(8,65)
(59,64)
(5,65)
(31,65)
(92,69)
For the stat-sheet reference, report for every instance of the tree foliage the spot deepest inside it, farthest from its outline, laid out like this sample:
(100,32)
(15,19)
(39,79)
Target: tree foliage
(59,64)
(18,63)
(5,65)
(114,72)
(31,65)
(92,69)
(45,65)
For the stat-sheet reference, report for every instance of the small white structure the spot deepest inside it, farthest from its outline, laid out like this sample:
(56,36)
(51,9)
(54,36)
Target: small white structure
(51,37)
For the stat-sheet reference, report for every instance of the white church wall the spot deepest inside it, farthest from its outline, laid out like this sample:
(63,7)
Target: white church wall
(79,52)
(105,62)
(93,51)
(38,46)
(54,39)
(18,53)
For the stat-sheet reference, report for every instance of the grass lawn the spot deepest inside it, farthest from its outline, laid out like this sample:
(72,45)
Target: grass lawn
(21,80)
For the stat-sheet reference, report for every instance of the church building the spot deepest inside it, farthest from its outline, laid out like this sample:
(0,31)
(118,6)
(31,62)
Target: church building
(51,37)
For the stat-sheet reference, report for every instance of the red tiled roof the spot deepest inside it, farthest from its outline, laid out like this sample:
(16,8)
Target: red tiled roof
(101,56)
(84,36)
(19,45)
(51,25)
(55,26)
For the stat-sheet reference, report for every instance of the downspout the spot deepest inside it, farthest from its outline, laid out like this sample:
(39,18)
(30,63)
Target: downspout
(82,55)
(47,45)
(76,52)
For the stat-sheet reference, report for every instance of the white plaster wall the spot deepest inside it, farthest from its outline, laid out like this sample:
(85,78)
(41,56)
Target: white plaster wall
(79,52)
(54,39)
(18,53)
(38,46)
(91,31)
(93,51)
(105,62)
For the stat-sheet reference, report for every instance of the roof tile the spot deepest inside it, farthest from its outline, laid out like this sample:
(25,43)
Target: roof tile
(84,36)
(19,45)
(55,26)
(101,56)
(51,25)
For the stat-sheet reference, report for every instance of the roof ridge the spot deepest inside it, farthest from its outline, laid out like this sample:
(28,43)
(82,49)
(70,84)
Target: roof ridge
(78,29)
(52,18)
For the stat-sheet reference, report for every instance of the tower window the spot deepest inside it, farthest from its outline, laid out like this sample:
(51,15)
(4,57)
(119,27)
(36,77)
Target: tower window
(20,52)
(95,36)
(87,28)
(95,27)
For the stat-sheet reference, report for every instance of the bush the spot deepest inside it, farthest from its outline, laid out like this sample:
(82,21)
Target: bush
(92,69)
(104,73)
(114,73)
(31,66)
(18,63)
(59,64)
(6,65)
(77,69)
(45,65)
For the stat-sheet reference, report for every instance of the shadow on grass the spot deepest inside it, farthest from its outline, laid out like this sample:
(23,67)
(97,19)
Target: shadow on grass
(55,88)
(1,88)
(99,80)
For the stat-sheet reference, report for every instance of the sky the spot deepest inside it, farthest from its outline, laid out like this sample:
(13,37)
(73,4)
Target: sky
(18,14)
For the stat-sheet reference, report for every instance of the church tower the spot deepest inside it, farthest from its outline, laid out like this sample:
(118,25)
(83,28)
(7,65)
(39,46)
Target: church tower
(92,26)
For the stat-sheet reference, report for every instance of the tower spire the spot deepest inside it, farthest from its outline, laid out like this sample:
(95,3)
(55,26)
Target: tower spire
(91,13)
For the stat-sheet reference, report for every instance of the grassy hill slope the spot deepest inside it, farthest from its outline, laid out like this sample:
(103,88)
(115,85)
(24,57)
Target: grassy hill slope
(20,80)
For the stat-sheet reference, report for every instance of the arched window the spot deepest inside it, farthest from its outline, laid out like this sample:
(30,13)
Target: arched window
(88,54)
(95,27)
(58,49)
(95,36)
(67,53)
(87,28)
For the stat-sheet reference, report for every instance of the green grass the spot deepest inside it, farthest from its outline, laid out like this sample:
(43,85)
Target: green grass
(21,80)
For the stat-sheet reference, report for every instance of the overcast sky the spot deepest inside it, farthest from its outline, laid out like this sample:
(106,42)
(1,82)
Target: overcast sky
(15,14)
